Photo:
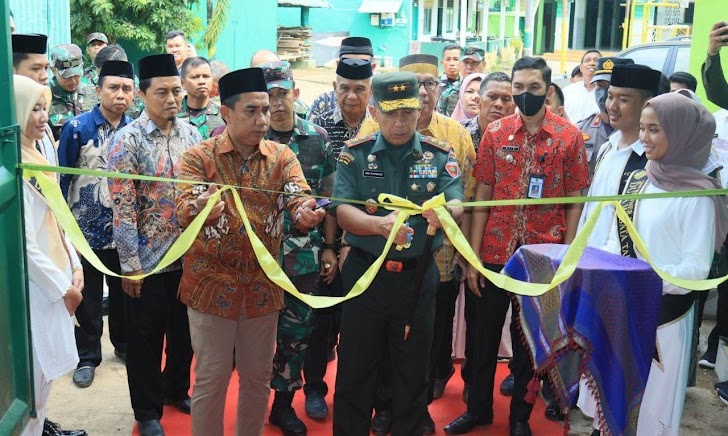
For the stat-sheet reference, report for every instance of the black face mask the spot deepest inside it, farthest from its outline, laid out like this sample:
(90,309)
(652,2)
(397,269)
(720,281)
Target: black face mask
(529,104)
(600,95)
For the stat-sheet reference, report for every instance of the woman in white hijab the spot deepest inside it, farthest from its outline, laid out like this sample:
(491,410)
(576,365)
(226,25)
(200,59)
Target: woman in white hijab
(55,277)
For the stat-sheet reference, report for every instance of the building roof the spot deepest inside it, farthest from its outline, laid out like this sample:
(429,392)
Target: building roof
(304,3)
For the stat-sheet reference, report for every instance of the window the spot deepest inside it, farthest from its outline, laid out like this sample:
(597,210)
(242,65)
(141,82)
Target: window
(682,60)
(653,57)
(428,22)
(450,16)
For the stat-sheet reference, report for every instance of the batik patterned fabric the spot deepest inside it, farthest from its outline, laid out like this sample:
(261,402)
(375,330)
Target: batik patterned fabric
(337,128)
(322,104)
(601,322)
(145,225)
(472,125)
(84,144)
(507,157)
(300,252)
(222,276)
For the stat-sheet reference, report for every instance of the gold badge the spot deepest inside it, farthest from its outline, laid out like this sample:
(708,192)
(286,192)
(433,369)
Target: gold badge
(586,136)
(346,158)
(431,187)
(372,206)
(608,65)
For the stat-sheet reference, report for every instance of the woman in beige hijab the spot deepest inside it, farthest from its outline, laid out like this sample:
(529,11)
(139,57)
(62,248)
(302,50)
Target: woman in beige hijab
(681,235)
(55,277)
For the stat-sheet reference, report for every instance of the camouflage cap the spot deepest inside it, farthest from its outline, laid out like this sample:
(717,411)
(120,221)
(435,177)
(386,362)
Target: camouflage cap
(473,53)
(397,90)
(67,60)
(97,36)
(278,74)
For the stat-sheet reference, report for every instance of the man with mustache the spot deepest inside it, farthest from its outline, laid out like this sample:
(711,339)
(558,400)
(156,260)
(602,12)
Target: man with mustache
(397,312)
(530,154)
(579,97)
(84,143)
(233,306)
(445,129)
(307,259)
(353,89)
(198,108)
(145,227)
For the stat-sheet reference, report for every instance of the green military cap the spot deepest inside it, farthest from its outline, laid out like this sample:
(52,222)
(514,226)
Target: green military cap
(97,36)
(67,60)
(278,74)
(474,53)
(398,90)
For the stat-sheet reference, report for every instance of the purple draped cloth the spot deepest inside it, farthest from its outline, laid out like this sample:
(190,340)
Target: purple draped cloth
(601,323)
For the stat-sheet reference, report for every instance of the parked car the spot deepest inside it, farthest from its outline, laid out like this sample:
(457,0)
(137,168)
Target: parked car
(667,56)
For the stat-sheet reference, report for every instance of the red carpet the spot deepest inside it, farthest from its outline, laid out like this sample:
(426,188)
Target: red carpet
(444,410)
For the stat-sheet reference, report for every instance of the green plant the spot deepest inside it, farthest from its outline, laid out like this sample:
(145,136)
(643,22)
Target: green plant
(144,22)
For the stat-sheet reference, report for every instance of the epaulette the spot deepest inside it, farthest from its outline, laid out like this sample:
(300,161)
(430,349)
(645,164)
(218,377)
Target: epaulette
(357,141)
(442,145)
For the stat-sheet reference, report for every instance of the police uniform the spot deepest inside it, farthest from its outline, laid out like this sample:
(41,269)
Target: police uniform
(595,132)
(594,129)
(66,59)
(375,321)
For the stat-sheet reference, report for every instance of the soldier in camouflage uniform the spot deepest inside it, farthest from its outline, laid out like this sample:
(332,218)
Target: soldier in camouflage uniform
(68,99)
(305,258)
(95,42)
(470,62)
(198,108)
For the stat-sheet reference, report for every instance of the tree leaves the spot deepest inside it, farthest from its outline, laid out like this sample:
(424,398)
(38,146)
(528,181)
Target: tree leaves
(144,22)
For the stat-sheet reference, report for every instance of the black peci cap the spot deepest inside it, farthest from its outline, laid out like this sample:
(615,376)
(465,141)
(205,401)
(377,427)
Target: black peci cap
(355,45)
(354,69)
(118,69)
(241,81)
(636,76)
(30,43)
(161,65)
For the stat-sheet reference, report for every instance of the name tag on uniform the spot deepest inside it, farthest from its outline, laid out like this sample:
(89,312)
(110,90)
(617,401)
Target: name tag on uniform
(370,173)
(510,148)
(535,186)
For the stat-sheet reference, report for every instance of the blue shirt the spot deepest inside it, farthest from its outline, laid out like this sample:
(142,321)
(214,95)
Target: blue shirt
(83,144)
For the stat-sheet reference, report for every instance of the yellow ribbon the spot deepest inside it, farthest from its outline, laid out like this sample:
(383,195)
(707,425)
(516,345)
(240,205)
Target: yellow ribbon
(406,208)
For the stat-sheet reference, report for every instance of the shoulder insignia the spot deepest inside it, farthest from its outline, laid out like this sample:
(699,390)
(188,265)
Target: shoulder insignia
(586,136)
(453,169)
(442,145)
(357,141)
(345,158)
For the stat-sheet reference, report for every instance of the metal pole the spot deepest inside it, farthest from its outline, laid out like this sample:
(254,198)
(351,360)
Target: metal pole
(564,31)
(463,22)
(625,27)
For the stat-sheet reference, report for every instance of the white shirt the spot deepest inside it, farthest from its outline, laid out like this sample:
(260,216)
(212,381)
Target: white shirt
(606,182)
(679,233)
(721,124)
(54,343)
(579,103)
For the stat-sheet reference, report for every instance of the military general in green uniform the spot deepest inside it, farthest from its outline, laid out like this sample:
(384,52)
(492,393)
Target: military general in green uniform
(68,100)
(404,163)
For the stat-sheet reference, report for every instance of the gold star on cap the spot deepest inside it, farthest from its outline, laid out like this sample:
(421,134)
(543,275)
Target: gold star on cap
(608,65)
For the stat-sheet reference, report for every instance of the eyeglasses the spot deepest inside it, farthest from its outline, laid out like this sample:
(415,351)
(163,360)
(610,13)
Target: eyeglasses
(429,85)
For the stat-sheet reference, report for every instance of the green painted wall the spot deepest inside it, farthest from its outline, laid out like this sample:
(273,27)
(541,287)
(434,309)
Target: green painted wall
(705,17)
(249,29)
